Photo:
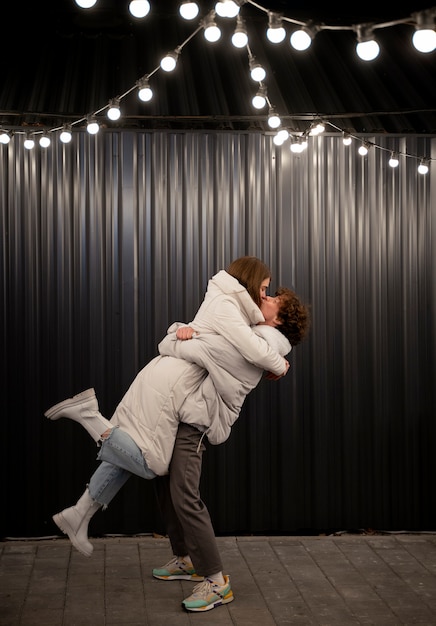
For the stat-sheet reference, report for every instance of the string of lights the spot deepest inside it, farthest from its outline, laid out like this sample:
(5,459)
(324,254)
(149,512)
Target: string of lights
(367,48)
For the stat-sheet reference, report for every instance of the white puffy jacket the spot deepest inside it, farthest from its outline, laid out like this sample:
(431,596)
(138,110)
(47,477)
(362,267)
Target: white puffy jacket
(149,409)
(215,405)
(169,389)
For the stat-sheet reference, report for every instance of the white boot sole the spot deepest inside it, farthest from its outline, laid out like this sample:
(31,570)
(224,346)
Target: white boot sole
(64,526)
(53,413)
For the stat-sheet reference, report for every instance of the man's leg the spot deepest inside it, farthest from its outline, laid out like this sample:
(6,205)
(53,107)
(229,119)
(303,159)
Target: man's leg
(186,517)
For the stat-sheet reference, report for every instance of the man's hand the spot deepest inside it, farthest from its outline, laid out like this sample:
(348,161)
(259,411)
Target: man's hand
(185,332)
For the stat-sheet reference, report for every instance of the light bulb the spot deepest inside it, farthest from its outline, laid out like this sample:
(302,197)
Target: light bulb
(92,127)
(298,146)
(423,167)
(169,62)
(367,48)
(145,92)
(211,31)
(273,119)
(44,141)
(317,129)
(114,112)
(227,8)
(257,72)
(346,140)
(4,137)
(139,8)
(66,135)
(301,40)
(29,143)
(275,32)
(281,137)
(394,161)
(424,40)
(276,35)
(240,37)
(424,37)
(189,10)
(259,100)
(86,4)
(363,150)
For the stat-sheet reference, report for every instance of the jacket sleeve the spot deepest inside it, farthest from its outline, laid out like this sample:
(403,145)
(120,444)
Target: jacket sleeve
(226,320)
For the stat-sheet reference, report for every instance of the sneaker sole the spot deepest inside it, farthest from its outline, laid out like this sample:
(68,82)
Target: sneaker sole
(180,577)
(213,605)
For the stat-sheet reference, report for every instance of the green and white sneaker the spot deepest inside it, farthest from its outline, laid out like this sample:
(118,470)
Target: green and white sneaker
(177,569)
(208,595)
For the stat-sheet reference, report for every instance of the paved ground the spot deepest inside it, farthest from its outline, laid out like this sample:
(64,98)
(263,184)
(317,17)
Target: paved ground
(341,580)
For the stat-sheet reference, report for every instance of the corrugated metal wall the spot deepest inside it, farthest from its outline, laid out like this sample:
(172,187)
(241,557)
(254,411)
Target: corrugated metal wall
(107,241)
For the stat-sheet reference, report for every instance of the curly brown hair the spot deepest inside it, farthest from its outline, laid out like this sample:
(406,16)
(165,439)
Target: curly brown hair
(294,316)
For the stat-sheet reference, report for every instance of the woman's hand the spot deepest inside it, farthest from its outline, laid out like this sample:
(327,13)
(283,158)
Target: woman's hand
(185,332)
(271,376)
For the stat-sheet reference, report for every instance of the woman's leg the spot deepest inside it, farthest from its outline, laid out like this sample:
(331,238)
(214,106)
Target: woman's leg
(82,408)
(106,481)
(186,517)
(119,449)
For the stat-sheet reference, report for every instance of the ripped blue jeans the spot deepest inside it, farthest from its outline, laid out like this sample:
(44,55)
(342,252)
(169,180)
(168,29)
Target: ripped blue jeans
(120,458)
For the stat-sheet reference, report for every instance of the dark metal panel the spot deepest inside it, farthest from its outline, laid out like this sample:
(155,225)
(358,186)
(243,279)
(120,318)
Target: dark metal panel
(107,241)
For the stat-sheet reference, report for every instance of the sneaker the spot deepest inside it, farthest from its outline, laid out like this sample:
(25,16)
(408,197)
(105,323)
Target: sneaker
(177,569)
(208,595)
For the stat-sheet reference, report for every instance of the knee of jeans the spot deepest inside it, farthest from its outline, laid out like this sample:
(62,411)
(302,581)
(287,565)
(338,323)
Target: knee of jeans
(103,441)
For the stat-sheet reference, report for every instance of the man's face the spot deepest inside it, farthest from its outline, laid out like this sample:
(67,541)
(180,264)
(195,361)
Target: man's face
(270,307)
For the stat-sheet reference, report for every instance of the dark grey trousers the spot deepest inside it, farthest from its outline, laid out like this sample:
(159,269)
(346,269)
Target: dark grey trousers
(185,515)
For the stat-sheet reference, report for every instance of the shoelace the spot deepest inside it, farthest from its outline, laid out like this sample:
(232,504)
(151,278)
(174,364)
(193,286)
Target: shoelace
(205,588)
(180,564)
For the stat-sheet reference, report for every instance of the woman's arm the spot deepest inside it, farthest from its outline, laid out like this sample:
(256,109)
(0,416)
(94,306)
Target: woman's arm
(226,320)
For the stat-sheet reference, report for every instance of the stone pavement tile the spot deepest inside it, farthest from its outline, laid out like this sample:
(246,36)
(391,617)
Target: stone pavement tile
(271,586)
(343,574)
(11,604)
(47,617)
(161,613)
(124,594)
(16,566)
(44,601)
(244,614)
(169,591)
(397,578)
(422,548)
(321,581)
(412,572)
(318,594)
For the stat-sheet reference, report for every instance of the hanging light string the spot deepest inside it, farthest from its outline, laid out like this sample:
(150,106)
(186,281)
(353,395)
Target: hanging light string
(301,39)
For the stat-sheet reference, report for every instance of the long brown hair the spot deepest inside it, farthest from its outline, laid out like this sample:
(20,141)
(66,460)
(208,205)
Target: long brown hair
(250,272)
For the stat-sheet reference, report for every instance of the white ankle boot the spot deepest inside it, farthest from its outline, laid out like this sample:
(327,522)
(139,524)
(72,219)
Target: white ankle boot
(74,522)
(82,408)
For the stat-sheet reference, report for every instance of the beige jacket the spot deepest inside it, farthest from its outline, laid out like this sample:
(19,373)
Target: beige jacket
(207,393)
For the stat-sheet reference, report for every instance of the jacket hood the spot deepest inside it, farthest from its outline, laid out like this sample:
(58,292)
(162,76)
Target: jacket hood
(228,285)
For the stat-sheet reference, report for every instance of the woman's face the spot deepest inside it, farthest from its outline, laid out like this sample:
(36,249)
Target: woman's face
(264,288)
(270,307)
